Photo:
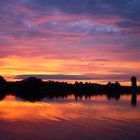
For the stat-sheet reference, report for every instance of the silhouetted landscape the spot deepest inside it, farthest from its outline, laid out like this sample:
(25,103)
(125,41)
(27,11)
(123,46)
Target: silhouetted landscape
(34,89)
(69,69)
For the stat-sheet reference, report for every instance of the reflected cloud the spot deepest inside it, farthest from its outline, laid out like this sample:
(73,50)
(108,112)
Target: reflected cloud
(14,109)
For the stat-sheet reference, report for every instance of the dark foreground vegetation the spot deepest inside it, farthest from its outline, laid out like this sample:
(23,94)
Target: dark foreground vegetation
(34,89)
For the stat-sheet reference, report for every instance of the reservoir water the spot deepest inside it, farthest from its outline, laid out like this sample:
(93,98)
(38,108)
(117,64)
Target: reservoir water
(93,118)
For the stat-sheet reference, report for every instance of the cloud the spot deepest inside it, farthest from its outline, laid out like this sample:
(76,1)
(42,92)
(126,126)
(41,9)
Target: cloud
(122,77)
(83,35)
(125,8)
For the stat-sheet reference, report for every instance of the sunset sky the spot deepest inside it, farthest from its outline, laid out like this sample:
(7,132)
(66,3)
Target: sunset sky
(96,40)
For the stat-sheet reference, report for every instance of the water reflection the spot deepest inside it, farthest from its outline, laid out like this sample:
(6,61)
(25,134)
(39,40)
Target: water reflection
(67,118)
(13,108)
(134,99)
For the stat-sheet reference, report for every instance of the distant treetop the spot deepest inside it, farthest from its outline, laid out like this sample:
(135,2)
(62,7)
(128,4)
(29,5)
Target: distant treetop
(2,80)
(134,81)
(32,80)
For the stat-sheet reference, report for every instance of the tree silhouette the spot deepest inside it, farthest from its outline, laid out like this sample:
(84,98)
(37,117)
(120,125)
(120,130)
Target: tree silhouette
(34,89)
(2,80)
(134,81)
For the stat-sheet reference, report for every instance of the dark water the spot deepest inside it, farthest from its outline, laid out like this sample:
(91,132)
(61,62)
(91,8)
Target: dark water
(70,119)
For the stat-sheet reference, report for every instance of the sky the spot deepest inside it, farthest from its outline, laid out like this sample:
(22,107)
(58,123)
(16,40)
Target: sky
(97,40)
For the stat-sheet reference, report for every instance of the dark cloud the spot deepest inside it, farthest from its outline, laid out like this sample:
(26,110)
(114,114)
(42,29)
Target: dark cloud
(16,16)
(123,8)
(121,77)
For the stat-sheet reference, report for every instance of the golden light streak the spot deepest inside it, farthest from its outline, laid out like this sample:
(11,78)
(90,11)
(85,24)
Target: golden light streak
(12,66)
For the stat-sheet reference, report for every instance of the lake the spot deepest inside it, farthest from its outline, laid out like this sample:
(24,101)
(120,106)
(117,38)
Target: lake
(96,118)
